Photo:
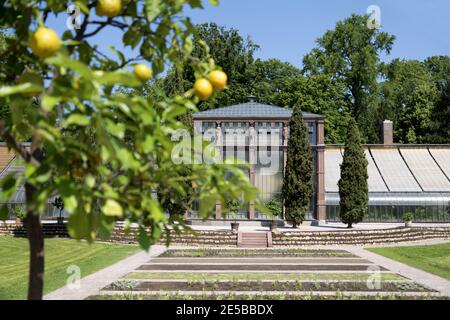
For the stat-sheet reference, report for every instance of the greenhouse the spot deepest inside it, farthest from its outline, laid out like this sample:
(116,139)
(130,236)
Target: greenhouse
(402,179)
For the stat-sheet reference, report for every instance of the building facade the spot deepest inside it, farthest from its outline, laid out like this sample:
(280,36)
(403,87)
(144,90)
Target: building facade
(258,134)
(402,178)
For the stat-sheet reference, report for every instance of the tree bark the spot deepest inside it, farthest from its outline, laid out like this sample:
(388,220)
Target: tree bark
(35,236)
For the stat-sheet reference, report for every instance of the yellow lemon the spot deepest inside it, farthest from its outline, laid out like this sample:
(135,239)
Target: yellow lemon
(142,72)
(108,8)
(203,89)
(45,42)
(218,79)
(35,80)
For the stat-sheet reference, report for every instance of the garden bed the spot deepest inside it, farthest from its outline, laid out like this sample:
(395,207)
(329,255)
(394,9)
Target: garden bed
(245,260)
(256,267)
(256,253)
(261,286)
(259,296)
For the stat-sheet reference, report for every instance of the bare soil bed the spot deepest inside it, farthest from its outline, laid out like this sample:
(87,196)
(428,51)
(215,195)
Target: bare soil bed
(258,267)
(246,260)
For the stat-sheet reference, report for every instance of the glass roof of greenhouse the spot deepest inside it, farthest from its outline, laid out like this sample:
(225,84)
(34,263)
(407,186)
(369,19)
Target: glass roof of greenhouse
(397,171)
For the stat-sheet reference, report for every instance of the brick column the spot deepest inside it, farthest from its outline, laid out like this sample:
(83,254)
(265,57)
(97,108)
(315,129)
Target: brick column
(284,144)
(320,173)
(219,143)
(252,160)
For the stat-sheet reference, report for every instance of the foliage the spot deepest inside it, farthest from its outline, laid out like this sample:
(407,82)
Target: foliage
(439,68)
(132,157)
(105,151)
(297,183)
(275,206)
(350,55)
(353,186)
(19,211)
(409,96)
(408,216)
(233,206)
(343,76)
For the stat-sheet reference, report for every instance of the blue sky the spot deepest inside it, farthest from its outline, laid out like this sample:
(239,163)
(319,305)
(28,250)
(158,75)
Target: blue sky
(287,29)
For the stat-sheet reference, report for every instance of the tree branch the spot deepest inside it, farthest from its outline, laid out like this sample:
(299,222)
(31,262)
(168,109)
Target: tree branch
(13,144)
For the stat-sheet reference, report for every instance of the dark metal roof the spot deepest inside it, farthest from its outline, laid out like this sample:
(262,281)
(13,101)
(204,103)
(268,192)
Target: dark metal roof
(251,110)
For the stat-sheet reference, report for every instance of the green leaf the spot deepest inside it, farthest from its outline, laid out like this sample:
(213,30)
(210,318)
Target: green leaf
(132,37)
(9,186)
(144,240)
(126,79)
(83,7)
(115,129)
(106,227)
(4,212)
(152,9)
(77,119)
(21,88)
(112,208)
(68,194)
(78,226)
(49,102)
(62,60)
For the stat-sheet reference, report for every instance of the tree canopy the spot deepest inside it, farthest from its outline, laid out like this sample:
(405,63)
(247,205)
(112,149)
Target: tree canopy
(106,152)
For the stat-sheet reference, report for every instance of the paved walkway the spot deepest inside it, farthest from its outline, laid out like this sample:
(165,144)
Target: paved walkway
(91,284)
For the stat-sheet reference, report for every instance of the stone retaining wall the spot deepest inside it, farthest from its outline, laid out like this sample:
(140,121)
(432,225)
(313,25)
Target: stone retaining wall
(279,239)
(211,238)
(358,237)
(18,230)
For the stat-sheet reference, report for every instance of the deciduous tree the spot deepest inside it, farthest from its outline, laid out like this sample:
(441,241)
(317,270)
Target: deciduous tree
(350,54)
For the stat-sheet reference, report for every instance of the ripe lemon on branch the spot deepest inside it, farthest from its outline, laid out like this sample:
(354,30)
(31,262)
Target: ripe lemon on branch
(108,8)
(142,72)
(45,42)
(218,79)
(203,89)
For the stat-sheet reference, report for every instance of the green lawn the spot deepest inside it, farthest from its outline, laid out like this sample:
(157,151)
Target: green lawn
(434,258)
(59,254)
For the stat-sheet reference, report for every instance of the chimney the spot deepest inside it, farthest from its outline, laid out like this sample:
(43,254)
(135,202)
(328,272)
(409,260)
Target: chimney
(388,132)
(251,98)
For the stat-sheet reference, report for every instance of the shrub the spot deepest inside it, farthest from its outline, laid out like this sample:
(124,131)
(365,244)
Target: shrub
(407,217)
(275,206)
(20,212)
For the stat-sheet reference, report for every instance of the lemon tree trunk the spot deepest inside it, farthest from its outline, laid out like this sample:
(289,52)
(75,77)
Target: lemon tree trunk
(35,236)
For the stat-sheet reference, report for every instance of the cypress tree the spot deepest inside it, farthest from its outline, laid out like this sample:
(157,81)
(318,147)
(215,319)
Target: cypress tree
(353,187)
(297,182)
